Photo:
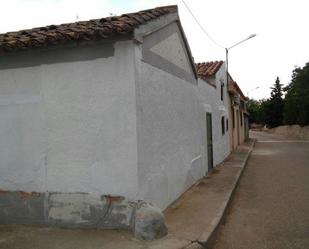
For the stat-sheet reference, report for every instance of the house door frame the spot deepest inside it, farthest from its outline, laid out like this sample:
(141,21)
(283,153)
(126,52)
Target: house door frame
(209,140)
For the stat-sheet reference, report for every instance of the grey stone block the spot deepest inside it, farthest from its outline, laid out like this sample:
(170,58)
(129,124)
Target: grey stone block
(149,222)
(19,207)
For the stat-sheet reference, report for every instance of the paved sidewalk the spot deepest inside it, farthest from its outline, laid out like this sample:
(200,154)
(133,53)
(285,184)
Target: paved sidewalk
(191,220)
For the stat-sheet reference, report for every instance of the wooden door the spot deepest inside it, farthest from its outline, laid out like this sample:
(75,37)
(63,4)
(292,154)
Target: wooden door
(209,140)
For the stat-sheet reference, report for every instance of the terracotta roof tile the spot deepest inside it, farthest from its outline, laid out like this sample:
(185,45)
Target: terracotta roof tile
(208,69)
(239,90)
(109,27)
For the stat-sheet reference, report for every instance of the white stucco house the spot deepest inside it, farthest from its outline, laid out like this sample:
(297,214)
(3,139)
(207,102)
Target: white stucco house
(225,104)
(215,103)
(100,118)
(97,111)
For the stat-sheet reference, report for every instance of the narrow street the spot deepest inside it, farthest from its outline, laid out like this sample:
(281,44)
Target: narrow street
(270,208)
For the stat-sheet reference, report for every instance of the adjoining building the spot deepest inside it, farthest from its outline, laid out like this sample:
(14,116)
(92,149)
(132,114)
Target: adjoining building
(238,113)
(226,105)
(215,103)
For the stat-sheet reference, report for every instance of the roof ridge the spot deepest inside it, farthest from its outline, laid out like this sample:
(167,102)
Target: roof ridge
(205,62)
(208,69)
(94,29)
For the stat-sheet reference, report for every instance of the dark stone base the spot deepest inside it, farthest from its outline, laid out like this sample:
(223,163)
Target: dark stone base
(82,210)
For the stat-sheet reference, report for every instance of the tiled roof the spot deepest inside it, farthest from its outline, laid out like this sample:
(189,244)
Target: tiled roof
(239,90)
(97,29)
(234,86)
(208,69)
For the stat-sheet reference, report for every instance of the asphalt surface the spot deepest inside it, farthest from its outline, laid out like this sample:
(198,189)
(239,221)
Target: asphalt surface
(270,208)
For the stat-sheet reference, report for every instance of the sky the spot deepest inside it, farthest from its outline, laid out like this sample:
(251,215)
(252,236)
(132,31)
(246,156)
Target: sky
(281,28)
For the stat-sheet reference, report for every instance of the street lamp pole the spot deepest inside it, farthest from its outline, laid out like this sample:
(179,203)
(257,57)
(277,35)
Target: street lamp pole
(227,54)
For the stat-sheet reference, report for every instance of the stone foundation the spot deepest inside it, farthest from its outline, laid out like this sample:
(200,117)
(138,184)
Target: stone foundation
(82,210)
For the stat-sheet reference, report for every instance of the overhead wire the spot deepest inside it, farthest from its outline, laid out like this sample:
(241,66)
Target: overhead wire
(201,26)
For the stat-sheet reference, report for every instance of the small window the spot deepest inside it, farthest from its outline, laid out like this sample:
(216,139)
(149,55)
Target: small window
(227,124)
(222,88)
(223,125)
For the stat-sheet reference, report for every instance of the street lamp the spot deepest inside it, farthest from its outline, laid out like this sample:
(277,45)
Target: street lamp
(227,54)
(252,90)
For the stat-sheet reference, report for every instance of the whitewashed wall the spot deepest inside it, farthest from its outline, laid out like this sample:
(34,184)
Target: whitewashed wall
(111,125)
(70,126)
(169,134)
(210,101)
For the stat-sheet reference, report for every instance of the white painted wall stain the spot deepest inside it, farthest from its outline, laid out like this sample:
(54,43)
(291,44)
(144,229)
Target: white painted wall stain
(71,208)
(22,130)
(70,127)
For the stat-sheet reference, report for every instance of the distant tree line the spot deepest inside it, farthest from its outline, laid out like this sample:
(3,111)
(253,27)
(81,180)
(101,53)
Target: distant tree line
(293,108)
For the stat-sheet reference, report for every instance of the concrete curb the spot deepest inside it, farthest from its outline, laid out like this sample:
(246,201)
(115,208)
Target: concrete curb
(207,239)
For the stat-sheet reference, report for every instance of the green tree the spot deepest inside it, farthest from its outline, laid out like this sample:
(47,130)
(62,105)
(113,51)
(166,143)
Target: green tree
(296,108)
(253,109)
(256,110)
(274,106)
